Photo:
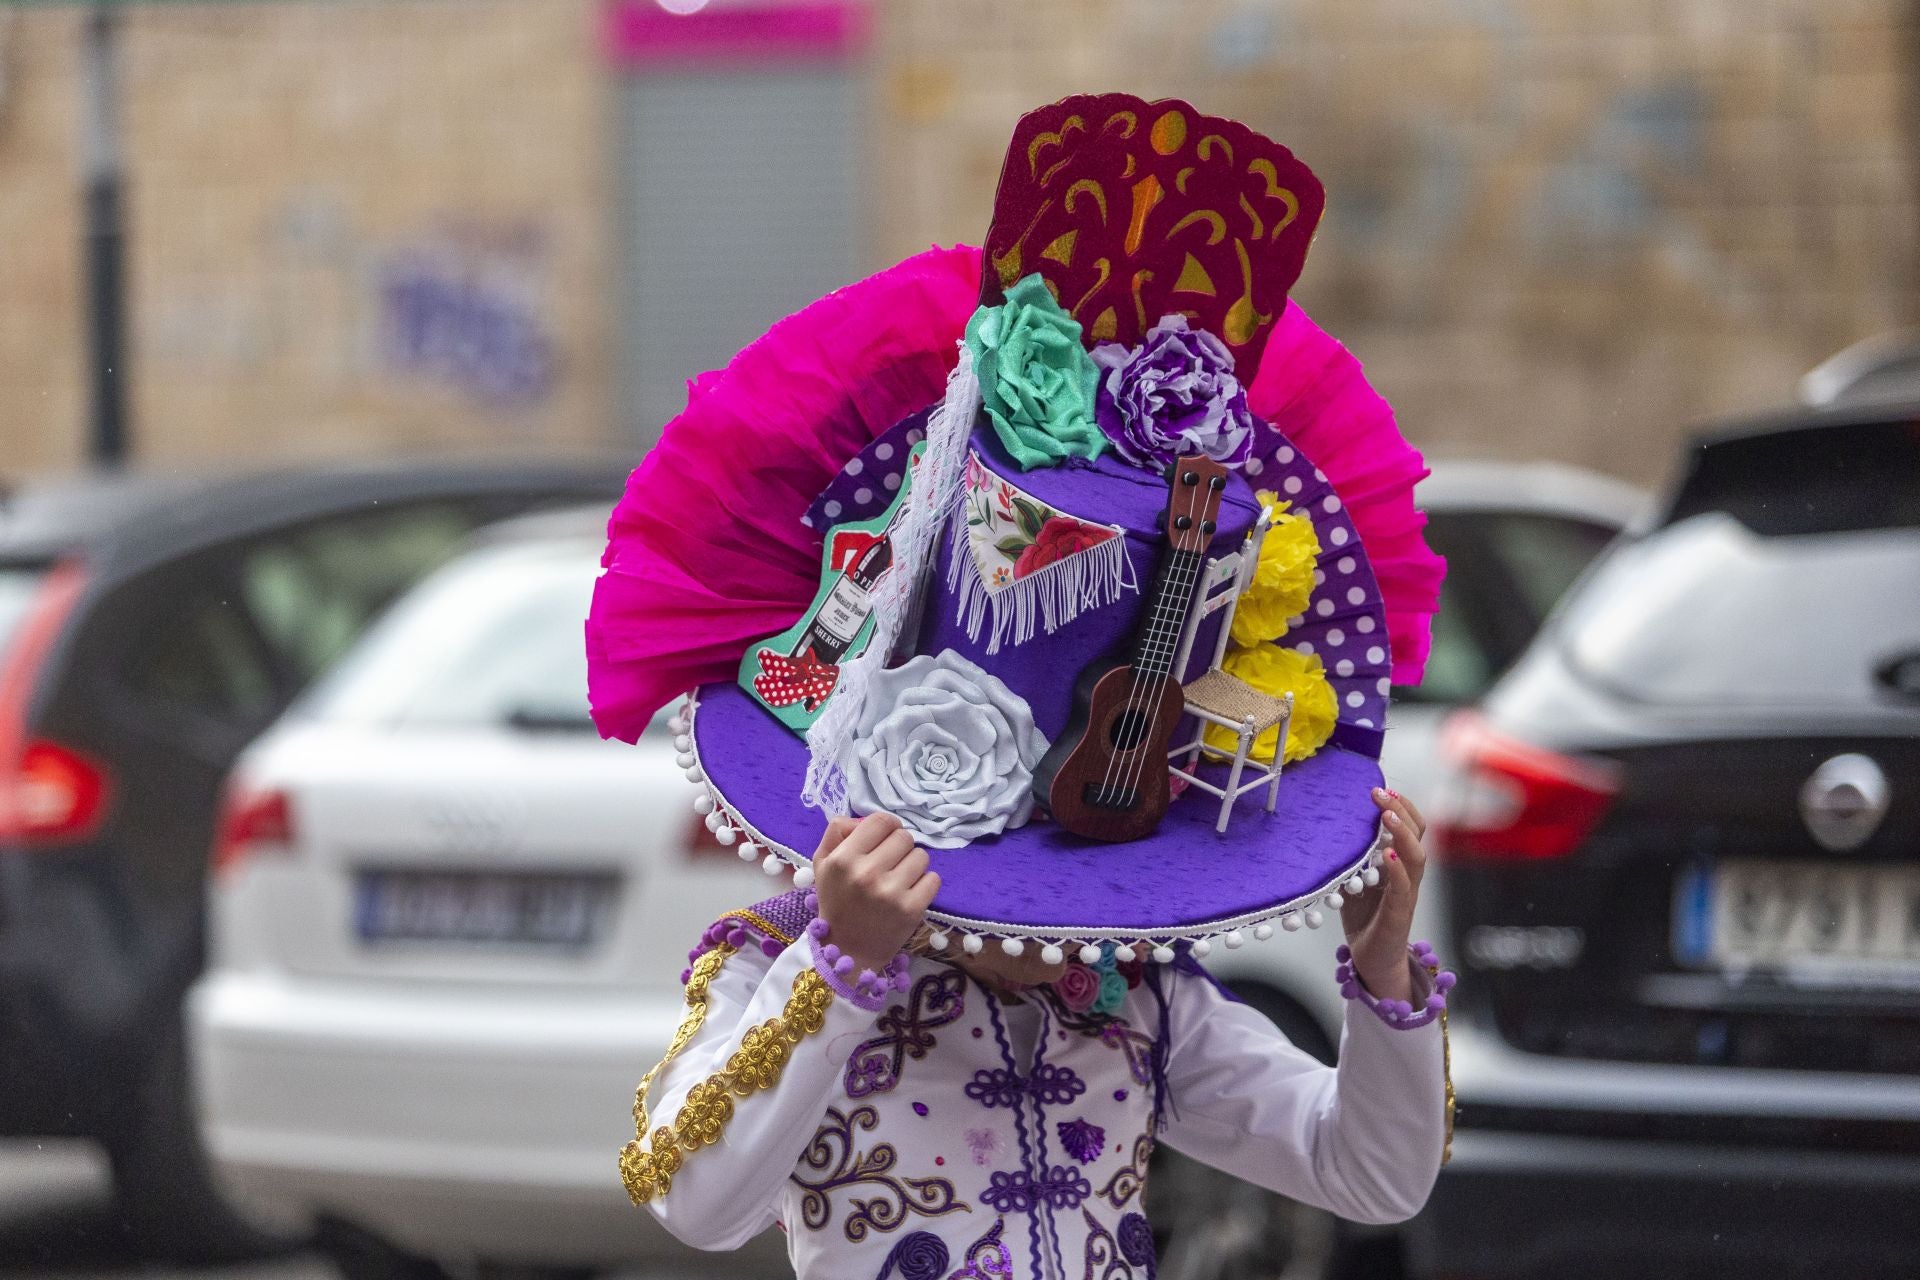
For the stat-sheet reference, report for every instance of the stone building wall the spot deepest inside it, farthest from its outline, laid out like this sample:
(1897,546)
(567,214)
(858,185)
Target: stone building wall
(353,228)
(42,392)
(1555,228)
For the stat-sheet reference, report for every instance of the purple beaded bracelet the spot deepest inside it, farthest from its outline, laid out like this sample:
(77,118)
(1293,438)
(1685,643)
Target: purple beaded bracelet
(1397,1013)
(867,989)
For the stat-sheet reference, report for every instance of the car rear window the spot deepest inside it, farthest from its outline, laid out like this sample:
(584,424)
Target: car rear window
(1838,477)
(17,587)
(496,638)
(1706,611)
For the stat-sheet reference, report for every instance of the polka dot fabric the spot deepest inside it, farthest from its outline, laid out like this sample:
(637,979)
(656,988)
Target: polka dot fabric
(1345,623)
(865,486)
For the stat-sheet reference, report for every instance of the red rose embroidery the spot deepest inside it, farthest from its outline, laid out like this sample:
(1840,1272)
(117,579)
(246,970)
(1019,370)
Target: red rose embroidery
(1059,537)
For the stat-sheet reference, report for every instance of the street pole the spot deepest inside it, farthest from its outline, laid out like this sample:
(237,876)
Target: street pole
(103,245)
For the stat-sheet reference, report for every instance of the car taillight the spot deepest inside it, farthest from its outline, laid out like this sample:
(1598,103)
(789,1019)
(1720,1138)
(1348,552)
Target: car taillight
(52,793)
(251,819)
(49,793)
(1517,801)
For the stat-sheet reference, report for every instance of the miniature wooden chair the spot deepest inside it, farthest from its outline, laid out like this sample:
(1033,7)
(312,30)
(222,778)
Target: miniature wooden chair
(1217,698)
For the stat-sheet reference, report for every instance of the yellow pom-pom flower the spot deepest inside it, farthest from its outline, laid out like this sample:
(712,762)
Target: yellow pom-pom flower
(1277,671)
(1282,580)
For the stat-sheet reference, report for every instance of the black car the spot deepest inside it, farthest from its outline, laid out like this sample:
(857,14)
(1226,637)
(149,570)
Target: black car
(149,627)
(1680,870)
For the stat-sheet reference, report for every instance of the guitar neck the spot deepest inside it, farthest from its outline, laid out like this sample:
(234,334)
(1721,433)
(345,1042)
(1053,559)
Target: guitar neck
(1158,640)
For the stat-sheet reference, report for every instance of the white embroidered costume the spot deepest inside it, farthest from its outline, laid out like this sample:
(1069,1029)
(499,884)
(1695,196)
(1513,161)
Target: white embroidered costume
(942,1133)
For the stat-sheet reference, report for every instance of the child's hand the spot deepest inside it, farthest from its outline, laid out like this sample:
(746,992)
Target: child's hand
(1379,921)
(874,887)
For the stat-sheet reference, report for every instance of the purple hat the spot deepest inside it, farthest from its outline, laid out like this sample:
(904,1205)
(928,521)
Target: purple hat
(1038,567)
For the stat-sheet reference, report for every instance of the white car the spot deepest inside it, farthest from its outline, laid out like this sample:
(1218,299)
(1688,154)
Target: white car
(448,923)
(448,920)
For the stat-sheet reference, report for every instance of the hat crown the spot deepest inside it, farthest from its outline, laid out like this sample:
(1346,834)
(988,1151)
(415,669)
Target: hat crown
(1131,210)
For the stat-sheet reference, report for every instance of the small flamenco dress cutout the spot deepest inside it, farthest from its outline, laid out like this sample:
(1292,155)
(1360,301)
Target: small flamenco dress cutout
(1030,562)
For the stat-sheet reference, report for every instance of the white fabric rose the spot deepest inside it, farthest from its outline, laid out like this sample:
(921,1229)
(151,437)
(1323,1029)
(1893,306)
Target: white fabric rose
(946,748)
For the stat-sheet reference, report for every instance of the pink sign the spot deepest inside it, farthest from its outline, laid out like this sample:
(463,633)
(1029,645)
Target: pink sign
(641,33)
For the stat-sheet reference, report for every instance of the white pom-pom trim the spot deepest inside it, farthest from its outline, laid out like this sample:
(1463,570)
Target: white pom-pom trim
(937,940)
(773,866)
(1335,901)
(1202,948)
(1314,919)
(1163,954)
(803,877)
(1013,947)
(972,945)
(703,803)
(679,723)
(726,835)
(683,743)
(1262,931)
(715,819)
(1090,954)
(1051,954)
(685,760)
(694,774)
(1291,923)
(1371,875)
(1235,940)
(1356,886)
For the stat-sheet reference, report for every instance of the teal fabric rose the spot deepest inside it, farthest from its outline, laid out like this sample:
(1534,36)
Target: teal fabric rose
(1037,382)
(1113,994)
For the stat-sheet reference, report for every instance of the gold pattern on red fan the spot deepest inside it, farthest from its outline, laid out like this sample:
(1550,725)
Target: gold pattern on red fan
(1131,210)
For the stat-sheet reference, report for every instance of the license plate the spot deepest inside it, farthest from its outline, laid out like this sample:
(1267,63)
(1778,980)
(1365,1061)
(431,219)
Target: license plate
(548,910)
(1805,918)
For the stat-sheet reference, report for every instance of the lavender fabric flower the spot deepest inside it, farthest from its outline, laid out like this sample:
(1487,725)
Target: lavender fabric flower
(1175,393)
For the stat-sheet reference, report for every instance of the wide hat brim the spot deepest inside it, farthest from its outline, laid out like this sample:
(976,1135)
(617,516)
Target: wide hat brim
(1040,883)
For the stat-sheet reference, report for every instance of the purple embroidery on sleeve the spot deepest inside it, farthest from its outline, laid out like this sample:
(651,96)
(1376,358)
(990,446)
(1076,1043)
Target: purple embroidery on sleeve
(1083,1141)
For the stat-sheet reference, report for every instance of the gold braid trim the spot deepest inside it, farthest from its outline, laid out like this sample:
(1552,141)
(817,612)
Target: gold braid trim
(1446,1072)
(760,922)
(754,1066)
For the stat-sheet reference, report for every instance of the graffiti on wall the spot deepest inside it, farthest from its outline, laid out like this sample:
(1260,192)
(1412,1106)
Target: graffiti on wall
(463,307)
(459,306)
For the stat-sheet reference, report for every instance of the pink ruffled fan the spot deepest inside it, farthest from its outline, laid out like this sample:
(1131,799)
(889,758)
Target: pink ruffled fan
(707,551)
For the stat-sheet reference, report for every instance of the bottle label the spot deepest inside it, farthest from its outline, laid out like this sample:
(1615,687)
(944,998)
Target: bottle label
(794,673)
(844,609)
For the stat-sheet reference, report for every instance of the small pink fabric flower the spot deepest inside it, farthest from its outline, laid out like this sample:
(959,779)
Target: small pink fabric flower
(1078,987)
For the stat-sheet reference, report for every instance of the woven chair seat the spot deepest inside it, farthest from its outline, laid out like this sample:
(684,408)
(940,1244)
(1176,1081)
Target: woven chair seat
(1234,699)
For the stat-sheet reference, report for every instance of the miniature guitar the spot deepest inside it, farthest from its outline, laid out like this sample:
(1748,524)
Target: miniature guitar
(1105,776)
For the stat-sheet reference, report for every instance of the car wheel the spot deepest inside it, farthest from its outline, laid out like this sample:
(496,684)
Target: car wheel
(164,1186)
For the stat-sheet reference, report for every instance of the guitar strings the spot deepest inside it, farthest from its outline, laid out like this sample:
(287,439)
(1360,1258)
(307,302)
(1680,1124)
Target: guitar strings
(1177,607)
(1175,622)
(1107,775)
(1165,609)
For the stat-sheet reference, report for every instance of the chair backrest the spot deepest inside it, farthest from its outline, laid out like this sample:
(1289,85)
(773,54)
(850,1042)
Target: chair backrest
(1221,583)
